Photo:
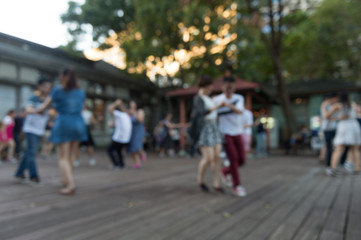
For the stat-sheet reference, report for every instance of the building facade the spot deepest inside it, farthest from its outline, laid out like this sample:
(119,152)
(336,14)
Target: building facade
(23,62)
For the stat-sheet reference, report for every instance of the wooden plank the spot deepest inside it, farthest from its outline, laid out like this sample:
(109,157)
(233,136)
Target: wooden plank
(286,196)
(317,216)
(337,218)
(353,229)
(331,235)
(242,225)
(288,226)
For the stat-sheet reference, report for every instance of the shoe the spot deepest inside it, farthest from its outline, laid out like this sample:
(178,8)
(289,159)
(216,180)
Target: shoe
(92,162)
(348,167)
(136,166)
(162,155)
(240,191)
(115,168)
(13,160)
(143,157)
(356,173)
(331,172)
(35,182)
(76,163)
(21,178)
(226,179)
(204,187)
(219,190)
(67,191)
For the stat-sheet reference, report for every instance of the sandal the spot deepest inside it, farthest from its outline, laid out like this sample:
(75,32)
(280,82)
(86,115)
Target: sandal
(67,191)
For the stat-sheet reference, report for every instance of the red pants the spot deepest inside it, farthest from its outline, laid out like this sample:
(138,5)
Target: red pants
(236,154)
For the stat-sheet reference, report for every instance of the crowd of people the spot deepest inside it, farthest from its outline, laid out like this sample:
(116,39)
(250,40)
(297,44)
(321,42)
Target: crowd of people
(340,128)
(68,130)
(218,124)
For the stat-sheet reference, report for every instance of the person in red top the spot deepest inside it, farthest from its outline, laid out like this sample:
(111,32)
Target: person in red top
(6,135)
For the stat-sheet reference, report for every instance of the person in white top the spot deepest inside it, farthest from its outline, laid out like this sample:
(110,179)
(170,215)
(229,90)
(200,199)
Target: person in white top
(348,133)
(121,135)
(34,128)
(247,120)
(230,124)
(89,120)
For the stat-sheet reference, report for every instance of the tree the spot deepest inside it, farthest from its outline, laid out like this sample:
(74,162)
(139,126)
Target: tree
(268,17)
(189,36)
(321,47)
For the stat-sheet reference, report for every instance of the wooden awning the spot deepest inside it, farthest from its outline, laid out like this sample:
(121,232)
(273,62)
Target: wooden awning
(191,91)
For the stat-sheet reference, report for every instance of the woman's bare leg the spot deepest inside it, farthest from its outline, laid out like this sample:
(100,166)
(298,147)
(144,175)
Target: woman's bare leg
(204,163)
(63,150)
(336,155)
(355,154)
(216,162)
(136,158)
(11,148)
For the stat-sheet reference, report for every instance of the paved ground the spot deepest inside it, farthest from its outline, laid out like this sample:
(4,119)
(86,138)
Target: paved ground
(288,198)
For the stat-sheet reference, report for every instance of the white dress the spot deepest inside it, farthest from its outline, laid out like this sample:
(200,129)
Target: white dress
(348,131)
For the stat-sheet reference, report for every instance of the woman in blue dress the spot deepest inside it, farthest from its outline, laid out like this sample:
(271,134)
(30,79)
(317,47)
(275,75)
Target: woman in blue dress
(135,146)
(69,128)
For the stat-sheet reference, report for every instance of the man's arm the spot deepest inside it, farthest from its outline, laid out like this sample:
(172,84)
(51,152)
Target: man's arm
(42,108)
(114,105)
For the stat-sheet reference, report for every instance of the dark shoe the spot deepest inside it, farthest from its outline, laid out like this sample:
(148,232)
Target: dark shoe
(204,187)
(219,190)
(35,182)
(21,178)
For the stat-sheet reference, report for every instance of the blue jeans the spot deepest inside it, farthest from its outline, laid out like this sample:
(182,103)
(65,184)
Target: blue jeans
(261,143)
(28,159)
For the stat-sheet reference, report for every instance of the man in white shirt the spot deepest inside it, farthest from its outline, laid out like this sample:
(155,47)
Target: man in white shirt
(230,125)
(34,128)
(121,135)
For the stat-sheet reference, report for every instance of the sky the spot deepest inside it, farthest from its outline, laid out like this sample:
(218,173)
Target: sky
(36,21)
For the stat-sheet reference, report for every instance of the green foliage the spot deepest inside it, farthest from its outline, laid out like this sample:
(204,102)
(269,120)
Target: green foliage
(317,43)
(327,43)
(104,17)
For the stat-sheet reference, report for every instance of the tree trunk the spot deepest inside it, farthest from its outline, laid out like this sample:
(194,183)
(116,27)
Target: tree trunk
(284,96)
(273,43)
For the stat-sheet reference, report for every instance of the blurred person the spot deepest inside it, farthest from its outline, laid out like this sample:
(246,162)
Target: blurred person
(348,133)
(90,121)
(18,132)
(69,128)
(48,146)
(349,164)
(261,137)
(166,141)
(136,143)
(247,120)
(7,137)
(329,118)
(205,134)
(230,125)
(121,135)
(34,128)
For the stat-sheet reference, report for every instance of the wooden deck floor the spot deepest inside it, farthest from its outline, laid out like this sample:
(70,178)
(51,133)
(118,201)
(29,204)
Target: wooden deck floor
(288,198)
